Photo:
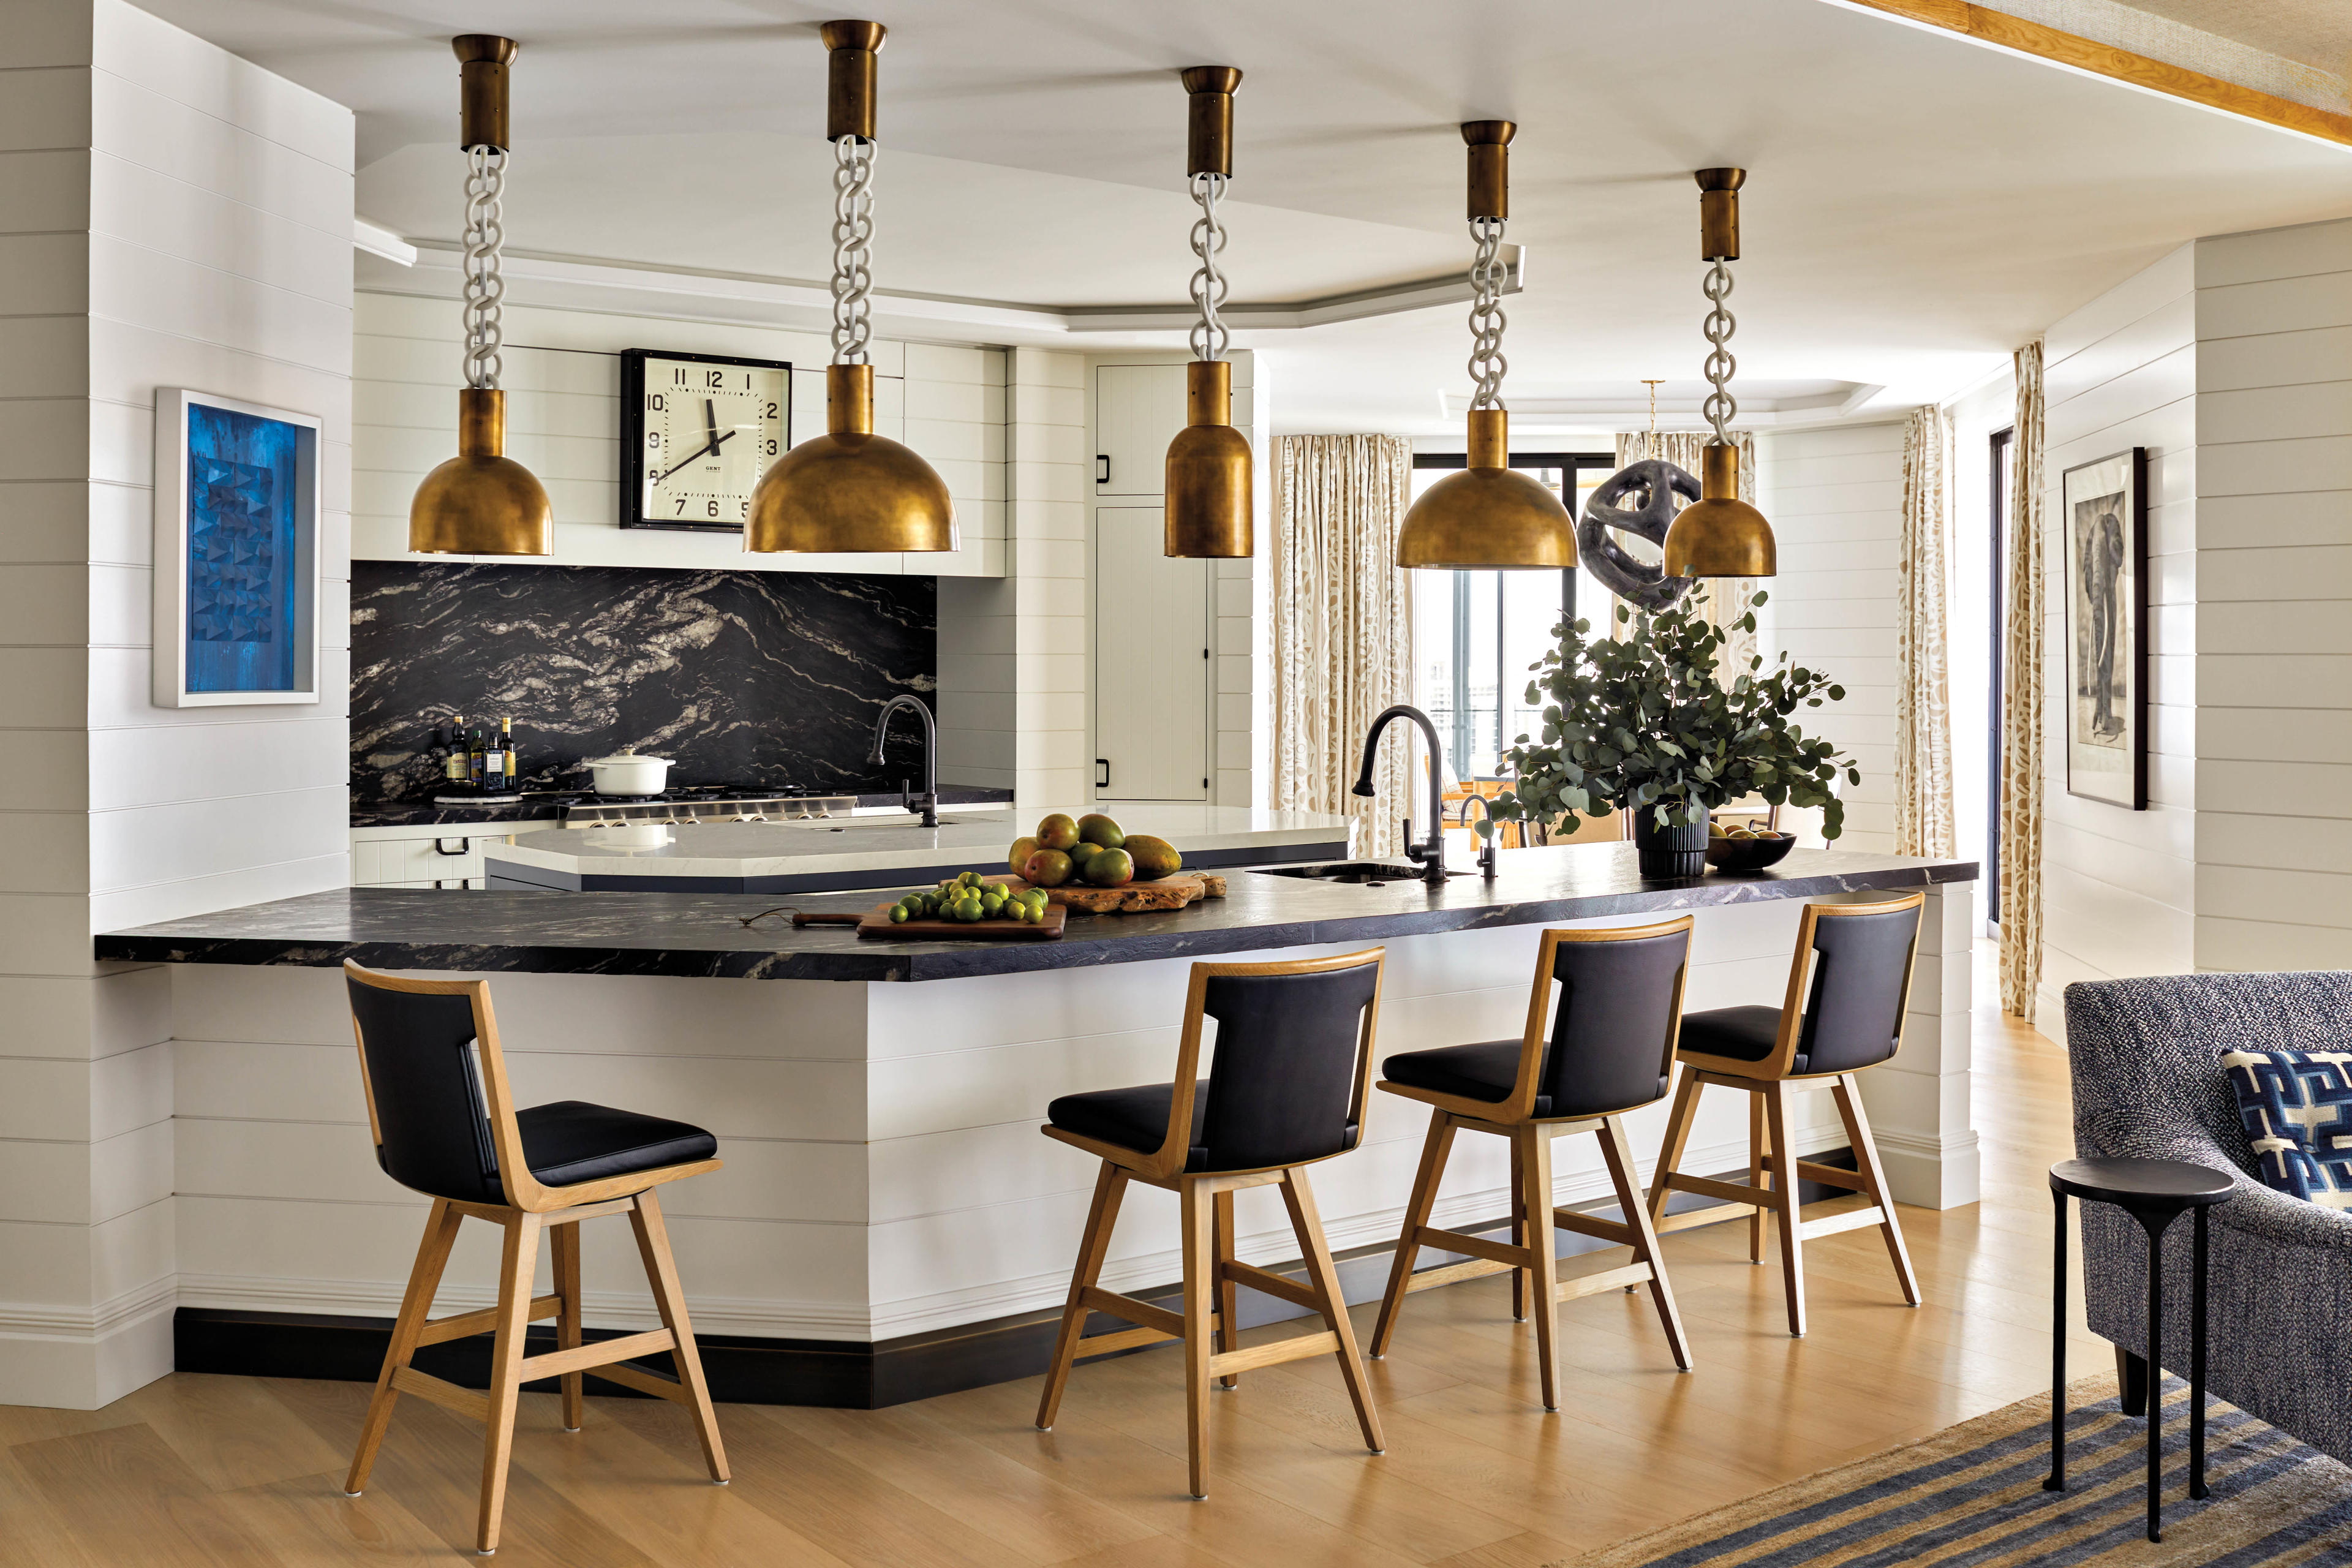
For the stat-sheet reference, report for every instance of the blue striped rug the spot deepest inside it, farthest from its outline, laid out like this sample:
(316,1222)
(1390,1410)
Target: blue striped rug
(1972,1498)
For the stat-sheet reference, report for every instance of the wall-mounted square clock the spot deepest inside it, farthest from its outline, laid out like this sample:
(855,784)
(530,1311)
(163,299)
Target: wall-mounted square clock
(697,432)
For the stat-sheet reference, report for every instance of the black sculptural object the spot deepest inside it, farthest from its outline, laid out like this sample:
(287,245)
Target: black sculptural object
(1647,489)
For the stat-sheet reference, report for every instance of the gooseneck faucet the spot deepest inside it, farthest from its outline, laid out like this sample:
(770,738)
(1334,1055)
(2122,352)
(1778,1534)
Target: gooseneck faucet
(1488,845)
(929,799)
(1430,856)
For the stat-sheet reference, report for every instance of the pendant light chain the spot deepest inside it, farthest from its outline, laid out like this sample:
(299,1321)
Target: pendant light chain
(853,249)
(1721,408)
(486,289)
(1209,335)
(1486,320)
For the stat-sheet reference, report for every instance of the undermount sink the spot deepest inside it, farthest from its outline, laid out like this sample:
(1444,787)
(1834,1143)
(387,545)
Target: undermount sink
(1369,872)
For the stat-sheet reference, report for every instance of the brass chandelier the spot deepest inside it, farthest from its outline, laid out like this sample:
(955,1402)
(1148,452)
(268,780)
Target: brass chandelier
(850,490)
(482,503)
(1720,535)
(1208,477)
(1488,515)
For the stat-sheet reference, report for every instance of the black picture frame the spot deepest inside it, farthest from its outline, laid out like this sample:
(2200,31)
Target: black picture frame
(2103,531)
(633,432)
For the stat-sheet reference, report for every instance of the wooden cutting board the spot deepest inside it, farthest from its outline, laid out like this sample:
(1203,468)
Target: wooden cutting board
(878,924)
(1170,892)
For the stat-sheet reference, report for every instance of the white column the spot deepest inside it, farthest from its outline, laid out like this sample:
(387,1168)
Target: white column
(1920,1104)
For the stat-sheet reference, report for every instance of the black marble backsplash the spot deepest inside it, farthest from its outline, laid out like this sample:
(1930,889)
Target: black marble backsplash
(770,679)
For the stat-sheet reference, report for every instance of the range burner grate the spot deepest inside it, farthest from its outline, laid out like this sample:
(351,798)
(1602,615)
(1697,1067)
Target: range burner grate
(687,806)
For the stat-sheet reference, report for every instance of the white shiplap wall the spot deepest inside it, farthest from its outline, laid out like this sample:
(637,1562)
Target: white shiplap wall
(176,217)
(2273,583)
(2119,886)
(1836,500)
(562,380)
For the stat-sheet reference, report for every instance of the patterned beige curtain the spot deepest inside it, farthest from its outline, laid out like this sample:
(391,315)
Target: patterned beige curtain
(1722,600)
(2022,715)
(1342,627)
(1923,713)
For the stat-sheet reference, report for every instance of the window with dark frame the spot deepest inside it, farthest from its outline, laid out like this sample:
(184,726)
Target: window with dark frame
(1465,676)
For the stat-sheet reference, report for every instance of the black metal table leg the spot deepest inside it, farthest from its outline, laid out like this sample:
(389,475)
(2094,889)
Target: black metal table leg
(2196,1364)
(2056,1481)
(2156,1383)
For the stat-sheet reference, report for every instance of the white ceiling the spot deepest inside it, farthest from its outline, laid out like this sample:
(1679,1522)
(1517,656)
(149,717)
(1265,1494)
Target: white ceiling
(1916,206)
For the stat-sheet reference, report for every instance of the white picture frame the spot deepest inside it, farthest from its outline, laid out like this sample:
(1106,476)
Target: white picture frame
(237,552)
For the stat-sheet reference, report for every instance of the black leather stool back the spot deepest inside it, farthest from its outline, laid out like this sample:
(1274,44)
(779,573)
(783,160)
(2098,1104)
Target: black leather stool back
(1861,972)
(1288,1065)
(1612,1033)
(432,1119)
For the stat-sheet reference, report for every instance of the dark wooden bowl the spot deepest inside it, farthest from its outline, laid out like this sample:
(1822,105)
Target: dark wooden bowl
(1747,854)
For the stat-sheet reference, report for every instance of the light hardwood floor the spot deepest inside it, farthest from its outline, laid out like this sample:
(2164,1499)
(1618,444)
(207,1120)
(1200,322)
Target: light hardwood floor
(239,1470)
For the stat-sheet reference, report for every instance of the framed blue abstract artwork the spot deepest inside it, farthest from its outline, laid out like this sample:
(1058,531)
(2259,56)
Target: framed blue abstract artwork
(237,552)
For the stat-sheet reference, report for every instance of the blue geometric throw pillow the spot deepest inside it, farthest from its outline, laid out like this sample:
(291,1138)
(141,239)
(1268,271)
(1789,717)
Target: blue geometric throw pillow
(2296,1109)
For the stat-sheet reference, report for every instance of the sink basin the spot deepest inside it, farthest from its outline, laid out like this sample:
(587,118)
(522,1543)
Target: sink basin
(1371,872)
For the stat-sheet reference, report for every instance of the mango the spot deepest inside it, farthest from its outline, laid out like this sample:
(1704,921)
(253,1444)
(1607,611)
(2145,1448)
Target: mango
(1153,858)
(1081,852)
(1096,828)
(1109,868)
(1019,856)
(1048,867)
(1057,832)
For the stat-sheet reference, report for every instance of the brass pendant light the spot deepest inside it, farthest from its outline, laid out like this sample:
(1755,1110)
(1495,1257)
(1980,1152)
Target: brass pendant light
(1488,515)
(482,503)
(850,490)
(1209,461)
(1720,535)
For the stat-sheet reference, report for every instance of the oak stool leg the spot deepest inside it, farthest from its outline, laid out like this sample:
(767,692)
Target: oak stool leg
(661,1270)
(432,1256)
(1102,1215)
(1417,1208)
(519,1262)
(564,1240)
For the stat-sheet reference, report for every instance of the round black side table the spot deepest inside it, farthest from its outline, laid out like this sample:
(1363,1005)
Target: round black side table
(2152,1192)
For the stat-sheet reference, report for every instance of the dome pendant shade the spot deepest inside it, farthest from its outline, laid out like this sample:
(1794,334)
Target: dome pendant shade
(1209,488)
(1488,515)
(481,503)
(1720,535)
(850,492)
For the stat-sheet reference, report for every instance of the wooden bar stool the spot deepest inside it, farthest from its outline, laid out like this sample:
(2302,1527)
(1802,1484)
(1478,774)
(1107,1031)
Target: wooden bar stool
(1611,1049)
(1294,1057)
(445,1124)
(1859,958)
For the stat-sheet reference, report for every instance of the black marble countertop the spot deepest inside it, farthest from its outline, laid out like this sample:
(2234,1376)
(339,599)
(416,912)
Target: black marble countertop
(698,934)
(541,807)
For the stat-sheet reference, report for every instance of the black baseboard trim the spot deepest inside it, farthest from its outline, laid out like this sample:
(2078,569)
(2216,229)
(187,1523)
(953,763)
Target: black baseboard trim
(752,1370)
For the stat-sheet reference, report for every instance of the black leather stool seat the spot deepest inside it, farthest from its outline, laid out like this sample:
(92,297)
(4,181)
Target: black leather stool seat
(1483,1071)
(570,1142)
(1736,1034)
(1137,1118)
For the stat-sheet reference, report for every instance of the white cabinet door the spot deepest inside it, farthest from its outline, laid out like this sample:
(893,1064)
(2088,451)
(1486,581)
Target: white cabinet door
(1151,665)
(1138,408)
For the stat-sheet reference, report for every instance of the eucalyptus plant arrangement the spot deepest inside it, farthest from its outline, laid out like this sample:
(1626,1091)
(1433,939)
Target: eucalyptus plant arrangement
(1645,724)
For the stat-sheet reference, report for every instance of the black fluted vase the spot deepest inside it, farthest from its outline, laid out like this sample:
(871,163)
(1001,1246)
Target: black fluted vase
(1669,852)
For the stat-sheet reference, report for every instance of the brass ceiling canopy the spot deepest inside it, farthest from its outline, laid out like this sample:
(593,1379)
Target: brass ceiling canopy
(482,503)
(1488,515)
(849,490)
(1720,535)
(1209,500)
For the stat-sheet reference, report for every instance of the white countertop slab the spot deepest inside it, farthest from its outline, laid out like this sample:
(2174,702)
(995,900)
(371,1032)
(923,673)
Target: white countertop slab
(893,841)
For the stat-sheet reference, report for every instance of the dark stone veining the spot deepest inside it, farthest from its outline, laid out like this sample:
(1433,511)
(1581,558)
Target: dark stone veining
(422,813)
(700,934)
(770,679)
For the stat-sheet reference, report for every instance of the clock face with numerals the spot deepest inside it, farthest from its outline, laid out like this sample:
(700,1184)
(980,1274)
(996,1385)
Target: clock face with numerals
(697,432)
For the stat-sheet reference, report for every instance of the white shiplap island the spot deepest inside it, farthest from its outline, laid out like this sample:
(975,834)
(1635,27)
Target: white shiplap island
(889,1223)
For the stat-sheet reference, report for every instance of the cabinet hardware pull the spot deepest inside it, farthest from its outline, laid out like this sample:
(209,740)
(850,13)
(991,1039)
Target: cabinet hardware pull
(1102,475)
(1104,782)
(463,846)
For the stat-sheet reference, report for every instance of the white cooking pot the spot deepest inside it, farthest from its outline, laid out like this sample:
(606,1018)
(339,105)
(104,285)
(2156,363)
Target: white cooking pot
(627,772)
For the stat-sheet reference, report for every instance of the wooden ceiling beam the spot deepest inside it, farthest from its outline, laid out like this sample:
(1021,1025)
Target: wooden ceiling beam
(1990,27)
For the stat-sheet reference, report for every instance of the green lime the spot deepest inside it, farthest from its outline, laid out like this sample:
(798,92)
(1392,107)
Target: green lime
(898,914)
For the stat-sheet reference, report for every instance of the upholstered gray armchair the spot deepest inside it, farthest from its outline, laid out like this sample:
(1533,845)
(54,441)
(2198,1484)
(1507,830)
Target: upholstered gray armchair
(2148,1085)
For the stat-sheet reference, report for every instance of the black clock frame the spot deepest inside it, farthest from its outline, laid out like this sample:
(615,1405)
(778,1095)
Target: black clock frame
(633,432)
